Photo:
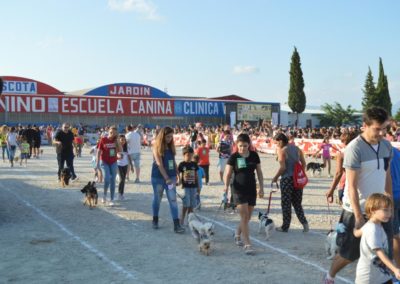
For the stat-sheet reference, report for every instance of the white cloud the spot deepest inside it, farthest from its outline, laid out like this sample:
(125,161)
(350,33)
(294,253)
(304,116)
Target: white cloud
(143,7)
(50,41)
(245,69)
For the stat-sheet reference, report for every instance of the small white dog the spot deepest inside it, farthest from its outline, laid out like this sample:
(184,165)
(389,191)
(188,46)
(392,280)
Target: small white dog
(202,232)
(331,247)
(266,224)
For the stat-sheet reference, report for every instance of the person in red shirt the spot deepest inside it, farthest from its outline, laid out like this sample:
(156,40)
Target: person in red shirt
(204,158)
(109,151)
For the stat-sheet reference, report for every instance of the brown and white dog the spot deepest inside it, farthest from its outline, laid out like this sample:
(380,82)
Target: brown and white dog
(202,232)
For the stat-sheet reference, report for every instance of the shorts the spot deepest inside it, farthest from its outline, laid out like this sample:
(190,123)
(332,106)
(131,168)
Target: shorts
(396,217)
(94,165)
(221,164)
(349,245)
(24,156)
(243,198)
(135,157)
(189,200)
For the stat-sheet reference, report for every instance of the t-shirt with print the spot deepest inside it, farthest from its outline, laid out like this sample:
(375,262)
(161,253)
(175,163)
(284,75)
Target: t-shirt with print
(204,155)
(370,269)
(108,149)
(224,149)
(189,175)
(25,147)
(244,181)
(371,165)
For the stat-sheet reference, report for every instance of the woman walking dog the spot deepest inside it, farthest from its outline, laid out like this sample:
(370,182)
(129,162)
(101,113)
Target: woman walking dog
(243,164)
(288,156)
(164,176)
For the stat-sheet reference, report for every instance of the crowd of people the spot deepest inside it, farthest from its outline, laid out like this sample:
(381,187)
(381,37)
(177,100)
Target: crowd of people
(367,177)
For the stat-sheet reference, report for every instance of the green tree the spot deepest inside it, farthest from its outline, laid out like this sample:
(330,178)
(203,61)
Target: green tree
(297,98)
(370,95)
(382,90)
(397,116)
(336,115)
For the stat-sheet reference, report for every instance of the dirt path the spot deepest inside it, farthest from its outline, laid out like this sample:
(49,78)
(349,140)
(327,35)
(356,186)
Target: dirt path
(48,236)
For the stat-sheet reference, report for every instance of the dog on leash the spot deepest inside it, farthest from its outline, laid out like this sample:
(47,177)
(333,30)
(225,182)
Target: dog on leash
(315,167)
(65,176)
(202,232)
(91,195)
(265,224)
(331,247)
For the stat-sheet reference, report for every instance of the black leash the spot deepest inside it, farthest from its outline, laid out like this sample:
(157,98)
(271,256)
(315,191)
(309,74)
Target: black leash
(270,194)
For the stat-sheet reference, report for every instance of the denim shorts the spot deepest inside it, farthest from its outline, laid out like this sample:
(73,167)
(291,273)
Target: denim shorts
(135,157)
(190,197)
(24,156)
(221,164)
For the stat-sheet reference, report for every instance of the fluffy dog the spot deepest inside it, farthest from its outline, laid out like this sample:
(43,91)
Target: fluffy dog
(65,176)
(315,167)
(91,195)
(266,224)
(202,232)
(331,247)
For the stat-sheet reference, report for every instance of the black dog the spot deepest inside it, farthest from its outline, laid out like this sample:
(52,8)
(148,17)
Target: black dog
(65,176)
(91,195)
(315,167)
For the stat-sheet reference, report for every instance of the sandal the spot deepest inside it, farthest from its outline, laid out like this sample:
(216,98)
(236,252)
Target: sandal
(238,241)
(249,250)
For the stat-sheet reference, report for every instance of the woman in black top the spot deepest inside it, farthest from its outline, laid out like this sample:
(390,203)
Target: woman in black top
(243,164)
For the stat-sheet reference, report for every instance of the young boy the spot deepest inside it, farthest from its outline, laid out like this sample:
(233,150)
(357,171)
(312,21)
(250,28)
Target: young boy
(188,172)
(200,175)
(374,266)
(24,148)
(203,153)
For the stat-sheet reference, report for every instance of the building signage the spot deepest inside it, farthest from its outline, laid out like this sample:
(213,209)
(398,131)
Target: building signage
(128,90)
(199,108)
(19,87)
(82,105)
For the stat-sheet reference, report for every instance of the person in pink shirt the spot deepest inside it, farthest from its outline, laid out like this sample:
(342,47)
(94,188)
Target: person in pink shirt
(326,153)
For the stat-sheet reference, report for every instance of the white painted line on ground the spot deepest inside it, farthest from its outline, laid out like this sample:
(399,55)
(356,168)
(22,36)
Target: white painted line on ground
(99,254)
(274,248)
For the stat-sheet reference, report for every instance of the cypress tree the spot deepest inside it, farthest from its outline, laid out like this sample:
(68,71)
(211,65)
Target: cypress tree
(382,90)
(297,98)
(369,91)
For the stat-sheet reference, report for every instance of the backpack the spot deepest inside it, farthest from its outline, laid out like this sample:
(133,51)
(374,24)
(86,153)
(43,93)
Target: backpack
(300,178)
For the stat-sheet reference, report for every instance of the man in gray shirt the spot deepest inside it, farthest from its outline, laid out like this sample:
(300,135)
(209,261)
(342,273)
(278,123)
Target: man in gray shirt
(367,163)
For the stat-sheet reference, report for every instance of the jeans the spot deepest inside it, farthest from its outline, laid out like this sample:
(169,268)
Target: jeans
(206,172)
(122,170)
(159,186)
(11,152)
(5,150)
(70,164)
(109,173)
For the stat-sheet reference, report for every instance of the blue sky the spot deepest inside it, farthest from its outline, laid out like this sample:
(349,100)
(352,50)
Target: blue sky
(204,48)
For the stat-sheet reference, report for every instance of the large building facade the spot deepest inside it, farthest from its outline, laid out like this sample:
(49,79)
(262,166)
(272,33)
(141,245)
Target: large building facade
(29,101)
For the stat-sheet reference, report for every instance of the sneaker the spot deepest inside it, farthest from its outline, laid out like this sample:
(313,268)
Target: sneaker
(103,200)
(238,241)
(120,197)
(74,179)
(279,229)
(249,250)
(111,203)
(327,280)
(306,228)
(137,180)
